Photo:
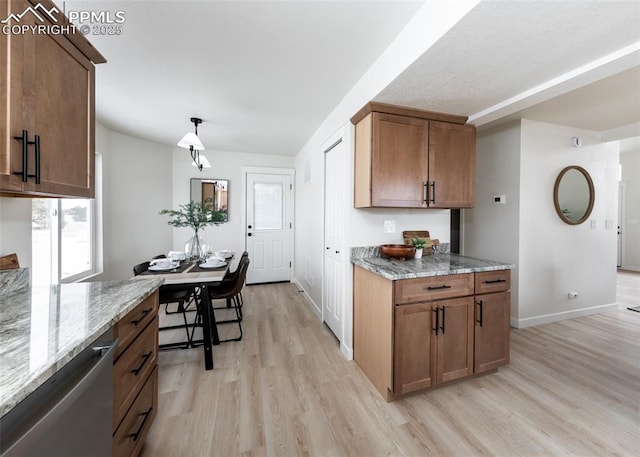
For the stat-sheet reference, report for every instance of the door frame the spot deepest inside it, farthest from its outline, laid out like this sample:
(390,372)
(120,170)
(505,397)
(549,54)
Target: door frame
(243,216)
(337,137)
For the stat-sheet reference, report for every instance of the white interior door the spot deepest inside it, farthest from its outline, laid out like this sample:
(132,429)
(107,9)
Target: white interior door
(269,227)
(334,254)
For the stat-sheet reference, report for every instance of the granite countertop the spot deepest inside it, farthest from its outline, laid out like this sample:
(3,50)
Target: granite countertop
(430,265)
(43,328)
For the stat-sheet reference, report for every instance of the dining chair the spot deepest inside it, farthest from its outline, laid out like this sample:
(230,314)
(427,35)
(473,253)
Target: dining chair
(181,295)
(230,277)
(230,291)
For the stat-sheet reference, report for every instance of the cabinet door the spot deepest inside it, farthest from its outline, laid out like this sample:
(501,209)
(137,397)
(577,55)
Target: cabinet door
(51,95)
(414,363)
(492,331)
(452,162)
(455,339)
(10,150)
(399,161)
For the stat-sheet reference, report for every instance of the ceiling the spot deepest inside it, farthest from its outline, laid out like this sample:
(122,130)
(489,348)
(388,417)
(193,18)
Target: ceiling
(264,74)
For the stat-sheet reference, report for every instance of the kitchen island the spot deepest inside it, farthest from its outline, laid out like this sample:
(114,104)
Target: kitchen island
(420,323)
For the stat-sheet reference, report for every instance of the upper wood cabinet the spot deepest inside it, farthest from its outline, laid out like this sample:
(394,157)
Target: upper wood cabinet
(47,126)
(406,158)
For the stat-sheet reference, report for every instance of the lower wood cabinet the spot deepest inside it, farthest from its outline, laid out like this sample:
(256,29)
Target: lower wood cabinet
(135,377)
(433,343)
(404,347)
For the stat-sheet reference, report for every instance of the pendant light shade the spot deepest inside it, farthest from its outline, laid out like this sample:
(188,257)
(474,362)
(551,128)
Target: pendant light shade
(191,142)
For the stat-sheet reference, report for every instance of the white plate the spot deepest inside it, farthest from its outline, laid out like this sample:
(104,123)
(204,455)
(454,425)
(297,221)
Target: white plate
(162,267)
(216,264)
(225,254)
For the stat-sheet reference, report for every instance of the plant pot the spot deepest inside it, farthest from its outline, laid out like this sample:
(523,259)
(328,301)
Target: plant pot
(418,254)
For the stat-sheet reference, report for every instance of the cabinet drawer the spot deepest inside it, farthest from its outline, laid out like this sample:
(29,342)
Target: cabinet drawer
(432,288)
(493,281)
(132,369)
(130,325)
(129,437)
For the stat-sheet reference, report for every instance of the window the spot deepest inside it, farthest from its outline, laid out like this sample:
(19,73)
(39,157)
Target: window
(63,238)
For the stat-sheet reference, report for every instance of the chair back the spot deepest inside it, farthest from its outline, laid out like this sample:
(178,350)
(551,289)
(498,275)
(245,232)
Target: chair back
(140,268)
(231,275)
(243,266)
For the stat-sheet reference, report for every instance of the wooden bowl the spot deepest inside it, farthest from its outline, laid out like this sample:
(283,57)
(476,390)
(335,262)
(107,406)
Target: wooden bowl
(397,251)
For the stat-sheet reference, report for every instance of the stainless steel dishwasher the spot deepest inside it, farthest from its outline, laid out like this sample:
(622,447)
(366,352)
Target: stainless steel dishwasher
(71,414)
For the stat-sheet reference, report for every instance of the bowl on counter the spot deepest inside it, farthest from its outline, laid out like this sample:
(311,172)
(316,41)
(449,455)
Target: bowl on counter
(397,251)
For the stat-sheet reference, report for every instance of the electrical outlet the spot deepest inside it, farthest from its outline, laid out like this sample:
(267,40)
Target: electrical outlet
(389,226)
(500,200)
(572,295)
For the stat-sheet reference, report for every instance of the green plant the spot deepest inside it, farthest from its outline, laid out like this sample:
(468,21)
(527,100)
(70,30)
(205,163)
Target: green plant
(419,243)
(193,215)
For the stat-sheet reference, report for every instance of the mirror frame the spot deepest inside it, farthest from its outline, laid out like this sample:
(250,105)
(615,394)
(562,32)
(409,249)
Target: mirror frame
(592,194)
(199,182)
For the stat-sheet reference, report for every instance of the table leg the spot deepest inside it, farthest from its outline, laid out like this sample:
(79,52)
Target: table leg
(209,327)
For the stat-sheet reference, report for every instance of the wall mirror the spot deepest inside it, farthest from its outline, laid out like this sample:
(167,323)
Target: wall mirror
(212,193)
(573,195)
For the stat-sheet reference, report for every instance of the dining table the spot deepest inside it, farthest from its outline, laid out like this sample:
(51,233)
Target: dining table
(190,273)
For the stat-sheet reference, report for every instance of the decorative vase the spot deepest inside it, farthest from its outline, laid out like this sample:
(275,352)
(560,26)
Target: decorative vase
(418,254)
(193,247)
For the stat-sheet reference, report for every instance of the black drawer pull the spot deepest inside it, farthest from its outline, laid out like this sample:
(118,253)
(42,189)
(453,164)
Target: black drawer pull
(435,329)
(37,143)
(145,358)
(495,281)
(141,318)
(442,326)
(438,287)
(24,173)
(433,192)
(479,320)
(146,415)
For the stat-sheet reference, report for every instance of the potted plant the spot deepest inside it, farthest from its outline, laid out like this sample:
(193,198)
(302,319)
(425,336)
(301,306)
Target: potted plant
(195,216)
(419,244)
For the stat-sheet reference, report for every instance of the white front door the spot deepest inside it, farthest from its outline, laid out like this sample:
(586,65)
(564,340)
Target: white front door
(334,254)
(269,227)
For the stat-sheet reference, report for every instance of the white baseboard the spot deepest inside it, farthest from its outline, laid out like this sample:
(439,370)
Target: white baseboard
(629,267)
(315,308)
(347,352)
(547,318)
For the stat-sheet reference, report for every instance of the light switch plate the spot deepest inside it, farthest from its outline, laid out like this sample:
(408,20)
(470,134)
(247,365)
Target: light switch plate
(608,224)
(593,223)
(389,226)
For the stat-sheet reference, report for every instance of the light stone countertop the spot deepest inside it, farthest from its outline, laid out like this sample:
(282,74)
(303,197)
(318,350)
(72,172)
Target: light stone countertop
(429,265)
(43,328)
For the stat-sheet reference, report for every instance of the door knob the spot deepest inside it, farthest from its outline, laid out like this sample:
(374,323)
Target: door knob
(249,227)
(249,234)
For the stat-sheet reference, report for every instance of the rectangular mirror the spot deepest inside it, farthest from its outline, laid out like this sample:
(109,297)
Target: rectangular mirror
(212,193)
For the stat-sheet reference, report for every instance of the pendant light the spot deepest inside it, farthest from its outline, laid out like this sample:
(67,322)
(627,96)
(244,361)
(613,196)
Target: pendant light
(191,142)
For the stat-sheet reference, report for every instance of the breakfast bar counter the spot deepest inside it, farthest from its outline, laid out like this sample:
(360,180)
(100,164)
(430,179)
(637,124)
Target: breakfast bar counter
(43,328)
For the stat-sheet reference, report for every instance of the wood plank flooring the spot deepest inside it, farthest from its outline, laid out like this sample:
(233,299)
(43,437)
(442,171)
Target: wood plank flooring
(572,388)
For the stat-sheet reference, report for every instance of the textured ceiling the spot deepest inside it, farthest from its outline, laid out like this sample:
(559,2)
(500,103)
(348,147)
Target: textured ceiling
(264,74)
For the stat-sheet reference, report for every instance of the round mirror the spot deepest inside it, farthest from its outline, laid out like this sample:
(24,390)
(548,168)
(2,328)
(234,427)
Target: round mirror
(573,195)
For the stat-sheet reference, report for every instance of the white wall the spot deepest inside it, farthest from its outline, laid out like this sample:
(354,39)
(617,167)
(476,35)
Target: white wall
(15,228)
(491,231)
(630,161)
(364,227)
(224,165)
(552,258)
(137,184)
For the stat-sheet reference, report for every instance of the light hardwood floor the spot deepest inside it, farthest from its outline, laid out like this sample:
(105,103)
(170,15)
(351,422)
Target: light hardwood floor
(572,388)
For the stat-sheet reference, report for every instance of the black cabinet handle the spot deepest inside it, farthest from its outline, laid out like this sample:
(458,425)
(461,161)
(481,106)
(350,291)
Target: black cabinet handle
(24,173)
(426,192)
(25,155)
(433,192)
(479,320)
(438,287)
(146,415)
(37,143)
(141,318)
(442,326)
(435,329)
(495,281)
(145,358)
